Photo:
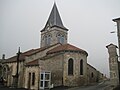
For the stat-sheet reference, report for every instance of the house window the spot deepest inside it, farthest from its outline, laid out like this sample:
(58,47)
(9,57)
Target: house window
(81,67)
(70,66)
(33,78)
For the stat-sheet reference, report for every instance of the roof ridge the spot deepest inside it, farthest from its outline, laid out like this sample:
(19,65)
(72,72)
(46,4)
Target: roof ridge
(66,47)
(33,62)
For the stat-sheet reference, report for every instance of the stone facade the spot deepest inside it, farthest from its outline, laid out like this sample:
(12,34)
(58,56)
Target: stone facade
(53,34)
(29,76)
(11,72)
(59,64)
(76,79)
(93,75)
(113,64)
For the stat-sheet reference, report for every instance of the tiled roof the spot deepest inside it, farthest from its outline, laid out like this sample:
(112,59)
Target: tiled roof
(33,63)
(27,53)
(66,47)
(40,49)
(21,58)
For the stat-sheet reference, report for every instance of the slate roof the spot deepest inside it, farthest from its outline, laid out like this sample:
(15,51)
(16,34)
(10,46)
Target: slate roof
(21,58)
(54,19)
(66,47)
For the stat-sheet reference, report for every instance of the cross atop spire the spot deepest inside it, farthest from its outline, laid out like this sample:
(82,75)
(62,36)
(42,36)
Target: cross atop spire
(54,19)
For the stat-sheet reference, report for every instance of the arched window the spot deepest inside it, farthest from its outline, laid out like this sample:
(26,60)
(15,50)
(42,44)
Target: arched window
(60,38)
(81,67)
(47,40)
(70,66)
(92,75)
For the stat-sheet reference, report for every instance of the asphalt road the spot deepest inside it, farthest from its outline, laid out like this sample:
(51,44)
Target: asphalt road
(100,86)
(2,87)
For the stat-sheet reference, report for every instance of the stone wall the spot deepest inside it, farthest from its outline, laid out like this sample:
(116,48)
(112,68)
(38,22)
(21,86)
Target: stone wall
(76,79)
(53,32)
(54,65)
(58,65)
(101,77)
(113,64)
(28,80)
(92,74)
(12,72)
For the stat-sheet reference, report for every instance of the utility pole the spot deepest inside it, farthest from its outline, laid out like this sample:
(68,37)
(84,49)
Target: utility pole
(16,76)
(117,20)
(17,73)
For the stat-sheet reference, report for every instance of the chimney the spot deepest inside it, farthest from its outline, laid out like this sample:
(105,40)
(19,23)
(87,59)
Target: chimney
(3,57)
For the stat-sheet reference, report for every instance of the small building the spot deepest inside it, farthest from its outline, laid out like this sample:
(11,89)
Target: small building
(113,64)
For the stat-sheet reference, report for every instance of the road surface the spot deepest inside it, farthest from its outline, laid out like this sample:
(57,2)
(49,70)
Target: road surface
(100,86)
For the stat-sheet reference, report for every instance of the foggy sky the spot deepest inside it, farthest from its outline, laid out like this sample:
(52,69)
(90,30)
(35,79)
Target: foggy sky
(89,23)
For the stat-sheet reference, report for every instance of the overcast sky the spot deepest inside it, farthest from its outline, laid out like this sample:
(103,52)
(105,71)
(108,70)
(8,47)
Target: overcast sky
(89,23)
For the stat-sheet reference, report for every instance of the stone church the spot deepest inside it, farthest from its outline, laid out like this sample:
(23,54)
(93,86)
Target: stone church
(55,63)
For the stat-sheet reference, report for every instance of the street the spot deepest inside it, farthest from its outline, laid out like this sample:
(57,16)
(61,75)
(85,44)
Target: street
(7,88)
(100,86)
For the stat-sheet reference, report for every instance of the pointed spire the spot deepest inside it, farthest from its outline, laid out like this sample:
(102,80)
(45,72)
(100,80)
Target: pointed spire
(54,19)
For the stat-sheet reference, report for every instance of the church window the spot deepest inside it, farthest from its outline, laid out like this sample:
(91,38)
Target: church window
(60,38)
(33,78)
(92,75)
(43,37)
(81,67)
(47,40)
(70,66)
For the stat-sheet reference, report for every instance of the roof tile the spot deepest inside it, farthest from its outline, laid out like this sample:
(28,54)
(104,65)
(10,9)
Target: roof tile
(66,47)
(33,63)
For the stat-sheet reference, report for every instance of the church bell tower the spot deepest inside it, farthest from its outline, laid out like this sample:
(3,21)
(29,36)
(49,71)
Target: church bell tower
(54,31)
